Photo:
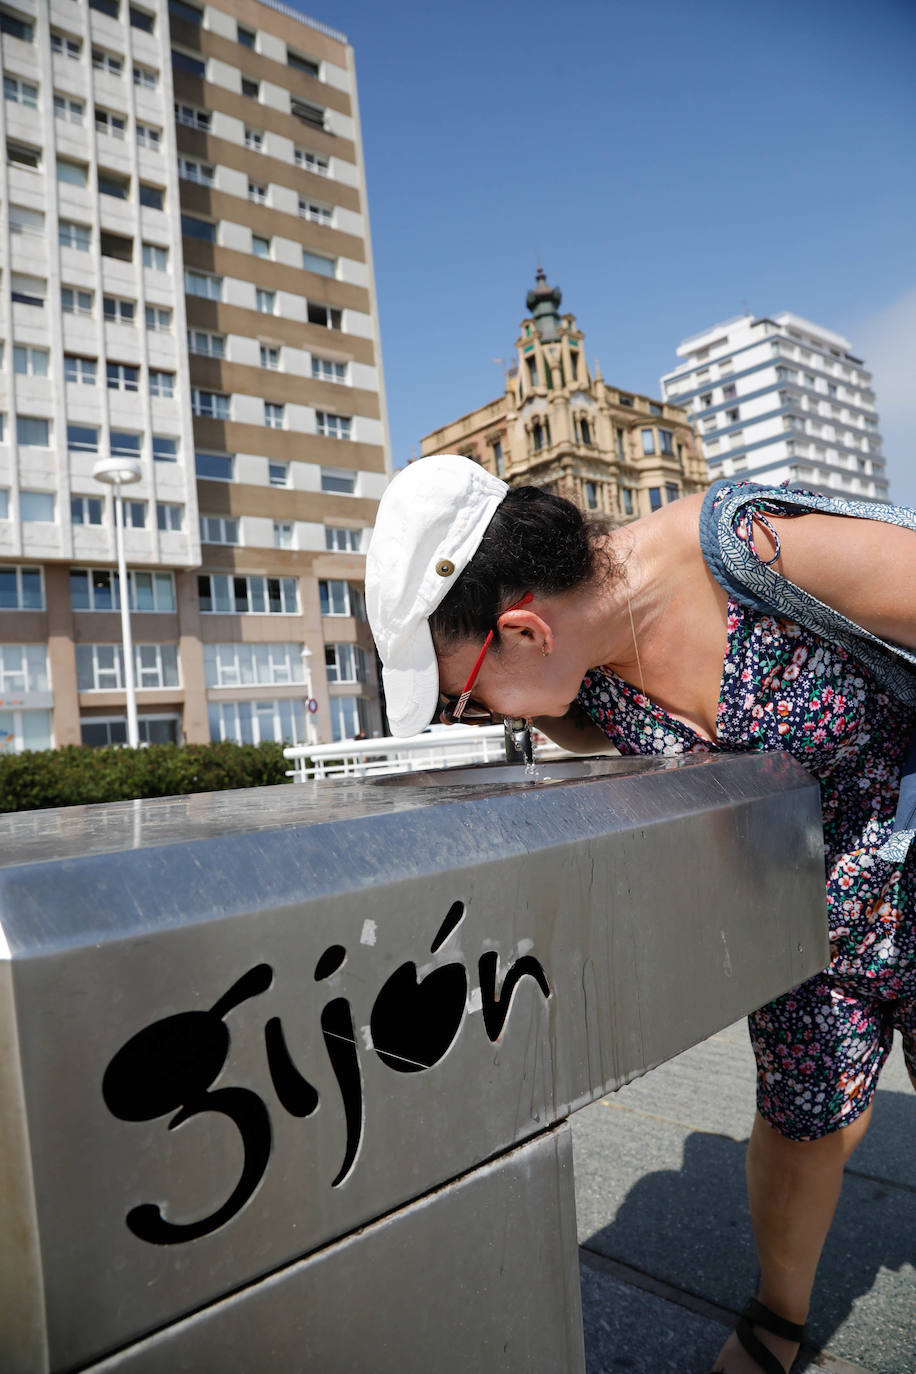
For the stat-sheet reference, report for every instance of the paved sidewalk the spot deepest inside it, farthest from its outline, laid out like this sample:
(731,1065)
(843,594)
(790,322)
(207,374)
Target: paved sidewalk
(667,1258)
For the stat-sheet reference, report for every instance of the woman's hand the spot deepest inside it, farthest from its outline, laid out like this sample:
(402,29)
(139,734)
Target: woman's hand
(575,732)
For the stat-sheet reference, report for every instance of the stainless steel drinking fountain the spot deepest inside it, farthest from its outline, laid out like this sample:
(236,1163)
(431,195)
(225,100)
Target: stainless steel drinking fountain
(285,1073)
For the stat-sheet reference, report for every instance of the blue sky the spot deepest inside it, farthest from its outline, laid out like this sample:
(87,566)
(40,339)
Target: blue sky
(670,162)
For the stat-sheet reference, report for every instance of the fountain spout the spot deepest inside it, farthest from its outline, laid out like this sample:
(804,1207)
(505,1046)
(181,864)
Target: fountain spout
(519,748)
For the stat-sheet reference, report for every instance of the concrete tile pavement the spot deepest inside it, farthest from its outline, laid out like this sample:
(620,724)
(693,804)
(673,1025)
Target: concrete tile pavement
(665,1239)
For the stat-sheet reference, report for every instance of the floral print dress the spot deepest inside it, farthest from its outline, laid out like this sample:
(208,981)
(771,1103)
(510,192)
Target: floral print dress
(819,1048)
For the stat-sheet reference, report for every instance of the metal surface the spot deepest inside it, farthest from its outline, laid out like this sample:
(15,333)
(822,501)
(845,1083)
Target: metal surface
(236,1027)
(482,1276)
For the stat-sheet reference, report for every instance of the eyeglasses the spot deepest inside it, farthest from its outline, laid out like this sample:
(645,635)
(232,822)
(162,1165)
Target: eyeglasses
(463,707)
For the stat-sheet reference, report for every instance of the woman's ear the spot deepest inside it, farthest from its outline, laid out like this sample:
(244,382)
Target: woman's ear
(525,625)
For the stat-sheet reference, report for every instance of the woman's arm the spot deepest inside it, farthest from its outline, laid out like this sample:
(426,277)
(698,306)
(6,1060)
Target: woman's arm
(575,732)
(863,568)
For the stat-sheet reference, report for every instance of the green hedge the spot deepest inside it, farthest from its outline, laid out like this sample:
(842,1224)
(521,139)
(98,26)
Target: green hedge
(77,775)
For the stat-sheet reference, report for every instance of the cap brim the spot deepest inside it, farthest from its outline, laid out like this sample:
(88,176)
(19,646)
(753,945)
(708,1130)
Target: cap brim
(412,691)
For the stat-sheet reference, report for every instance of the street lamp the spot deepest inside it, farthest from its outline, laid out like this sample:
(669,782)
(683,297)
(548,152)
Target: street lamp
(118,472)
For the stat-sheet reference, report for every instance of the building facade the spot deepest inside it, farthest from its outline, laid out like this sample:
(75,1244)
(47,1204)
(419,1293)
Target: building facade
(782,399)
(560,427)
(186,283)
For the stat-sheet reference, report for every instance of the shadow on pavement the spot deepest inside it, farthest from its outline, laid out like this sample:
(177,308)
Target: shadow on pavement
(690,1228)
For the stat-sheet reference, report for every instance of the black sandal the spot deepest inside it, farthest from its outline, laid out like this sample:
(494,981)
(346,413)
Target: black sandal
(756,1314)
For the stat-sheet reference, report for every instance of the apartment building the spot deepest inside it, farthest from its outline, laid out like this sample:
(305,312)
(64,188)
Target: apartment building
(782,399)
(562,427)
(186,284)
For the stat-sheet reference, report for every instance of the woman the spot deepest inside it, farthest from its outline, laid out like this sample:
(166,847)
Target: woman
(508,604)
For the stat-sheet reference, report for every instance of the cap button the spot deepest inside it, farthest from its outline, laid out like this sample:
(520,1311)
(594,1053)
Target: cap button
(445,567)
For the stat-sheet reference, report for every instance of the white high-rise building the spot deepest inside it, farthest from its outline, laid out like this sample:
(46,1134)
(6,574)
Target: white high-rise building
(781,399)
(185,281)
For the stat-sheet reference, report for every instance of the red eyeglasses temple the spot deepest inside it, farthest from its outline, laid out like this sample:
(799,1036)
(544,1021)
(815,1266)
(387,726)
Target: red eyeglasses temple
(472,678)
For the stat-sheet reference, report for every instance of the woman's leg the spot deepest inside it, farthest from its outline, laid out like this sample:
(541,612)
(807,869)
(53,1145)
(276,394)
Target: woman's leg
(793,1188)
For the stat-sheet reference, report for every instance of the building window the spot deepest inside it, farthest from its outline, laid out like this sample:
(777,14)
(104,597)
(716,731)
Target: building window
(585,433)
(192,117)
(341,598)
(310,114)
(148,137)
(190,13)
(202,284)
(28,290)
(247,595)
(210,345)
(169,517)
(33,432)
(283,534)
(15,25)
(655,498)
(498,457)
(165,448)
(71,235)
(156,257)
(327,370)
(302,64)
(62,45)
(211,405)
(21,155)
(317,262)
(23,221)
(254,139)
(30,362)
(317,213)
(219,529)
(24,730)
(348,717)
(671,491)
(648,441)
(204,230)
(80,371)
(122,377)
(666,441)
(729,392)
(654,408)
(254,722)
(312,162)
(118,311)
(270,357)
(68,109)
(341,481)
(278,474)
(96,589)
(260,246)
(123,444)
(23,668)
(139,19)
(346,663)
(273,415)
(245,36)
(624,400)
(731,416)
(20,92)
(161,383)
(100,667)
(591,496)
(627,494)
(97,733)
(326,315)
(159,318)
(145,76)
(216,467)
(116,246)
(109,7)
(265,301)
(201,172)
(36,506)
(340,540)
(250,88)
(21,589)
(82,439)
(110,184)
(106,62)
(134,515)
(333,426)
(257,192)
(106,122)
(190,65)
(249,665)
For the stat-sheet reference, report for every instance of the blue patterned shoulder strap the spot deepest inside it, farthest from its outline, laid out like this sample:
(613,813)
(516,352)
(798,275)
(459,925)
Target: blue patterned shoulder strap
(733,561)
(726,540)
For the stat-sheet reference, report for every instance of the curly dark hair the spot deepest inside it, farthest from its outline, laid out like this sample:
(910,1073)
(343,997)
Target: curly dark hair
(536,542)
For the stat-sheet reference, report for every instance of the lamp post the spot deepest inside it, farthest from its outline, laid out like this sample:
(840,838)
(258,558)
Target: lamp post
(311,734)
(118,472)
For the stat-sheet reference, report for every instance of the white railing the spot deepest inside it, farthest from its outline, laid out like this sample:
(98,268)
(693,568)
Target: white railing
(443,746)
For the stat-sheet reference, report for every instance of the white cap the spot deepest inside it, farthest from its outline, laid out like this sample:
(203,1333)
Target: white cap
(429,526)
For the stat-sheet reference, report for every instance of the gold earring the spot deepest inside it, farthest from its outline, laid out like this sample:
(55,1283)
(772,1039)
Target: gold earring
(545,652)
